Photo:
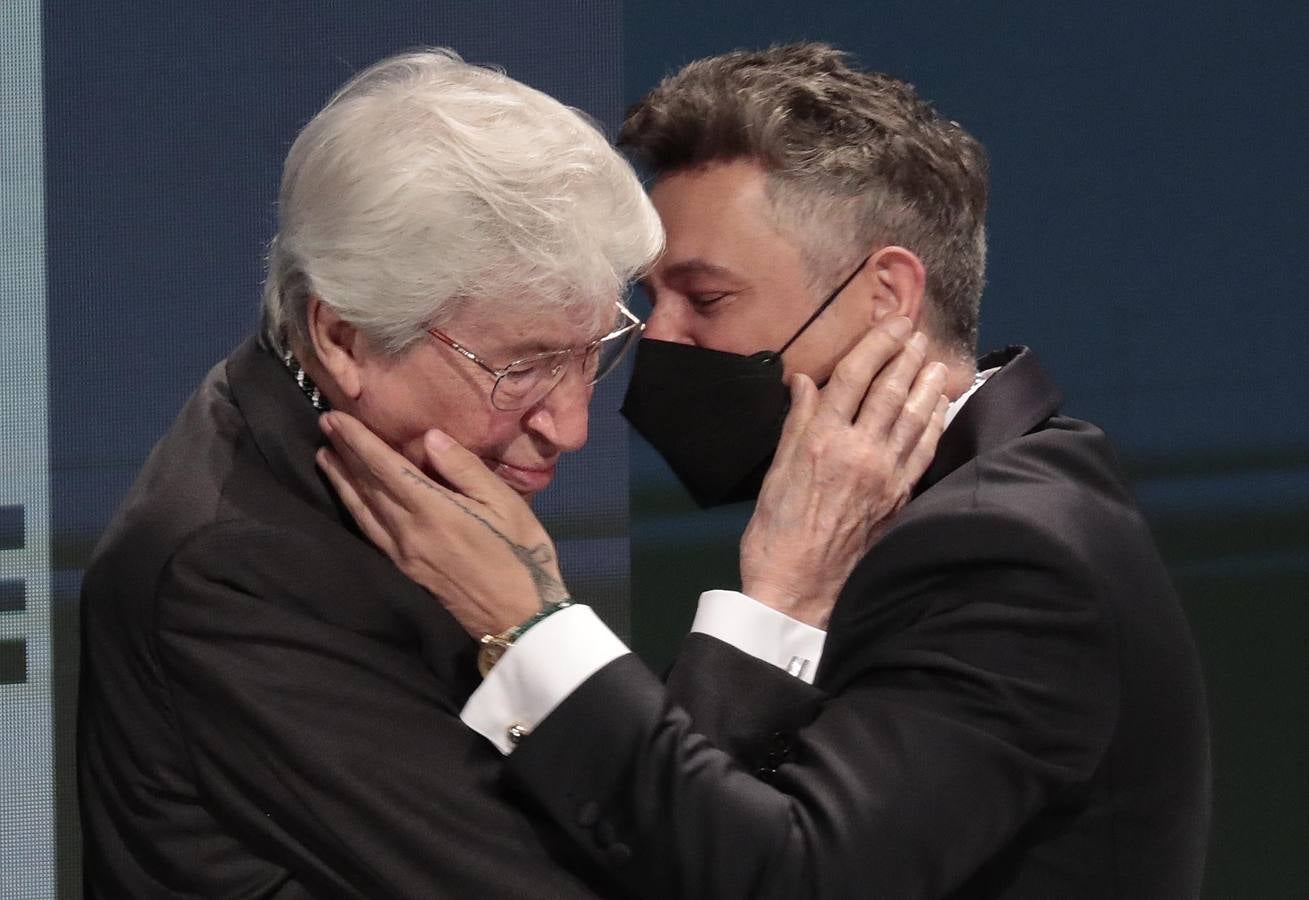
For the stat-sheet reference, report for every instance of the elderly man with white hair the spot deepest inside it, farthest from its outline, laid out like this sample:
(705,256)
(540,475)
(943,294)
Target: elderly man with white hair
(269,707)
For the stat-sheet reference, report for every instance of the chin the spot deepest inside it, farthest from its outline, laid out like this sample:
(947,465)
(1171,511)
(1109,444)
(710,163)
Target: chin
(526,494)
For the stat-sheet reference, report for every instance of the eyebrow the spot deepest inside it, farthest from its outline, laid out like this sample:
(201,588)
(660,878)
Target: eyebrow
(698,266)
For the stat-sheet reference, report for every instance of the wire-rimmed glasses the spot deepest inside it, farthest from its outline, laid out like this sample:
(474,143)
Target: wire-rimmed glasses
(527,381)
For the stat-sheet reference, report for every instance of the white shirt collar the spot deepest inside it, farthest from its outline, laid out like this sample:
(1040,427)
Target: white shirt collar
(978,380)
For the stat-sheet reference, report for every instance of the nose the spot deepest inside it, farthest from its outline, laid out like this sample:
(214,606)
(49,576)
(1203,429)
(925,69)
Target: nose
(561,417)
(668,322)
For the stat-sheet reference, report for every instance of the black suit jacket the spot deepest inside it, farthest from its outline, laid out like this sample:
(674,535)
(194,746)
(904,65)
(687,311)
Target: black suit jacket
(1009,705)
(268,707)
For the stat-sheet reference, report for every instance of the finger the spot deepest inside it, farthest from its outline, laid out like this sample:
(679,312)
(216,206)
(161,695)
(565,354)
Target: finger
(463,471)
(804,402)
(368,458)
(850,379)
(889,391)
(364,517)
(924,450)
(918,408)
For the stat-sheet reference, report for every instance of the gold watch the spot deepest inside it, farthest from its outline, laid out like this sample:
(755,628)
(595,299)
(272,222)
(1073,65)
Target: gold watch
(494,646)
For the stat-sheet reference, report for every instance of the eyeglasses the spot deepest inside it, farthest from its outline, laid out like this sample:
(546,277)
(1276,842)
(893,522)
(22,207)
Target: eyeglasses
(526,382)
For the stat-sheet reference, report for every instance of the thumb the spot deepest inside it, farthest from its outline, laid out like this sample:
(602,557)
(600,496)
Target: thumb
(804,403)
(457,467)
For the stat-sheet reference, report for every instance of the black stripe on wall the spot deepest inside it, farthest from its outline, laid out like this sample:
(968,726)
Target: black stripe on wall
(13,595)
(13,662)
(12,530)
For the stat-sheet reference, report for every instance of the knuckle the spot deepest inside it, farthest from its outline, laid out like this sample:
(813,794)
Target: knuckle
(868,462)
(845,375)
(916,419)
(896,386)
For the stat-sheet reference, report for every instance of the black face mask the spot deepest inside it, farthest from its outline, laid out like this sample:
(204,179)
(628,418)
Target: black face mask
(714,416)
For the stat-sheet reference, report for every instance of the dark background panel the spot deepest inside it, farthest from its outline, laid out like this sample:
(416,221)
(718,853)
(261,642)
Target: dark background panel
(1147,236)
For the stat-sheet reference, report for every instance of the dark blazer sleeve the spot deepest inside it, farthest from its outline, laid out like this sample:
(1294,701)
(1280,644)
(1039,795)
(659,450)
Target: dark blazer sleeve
(961,699)
(745,707)
(324,740)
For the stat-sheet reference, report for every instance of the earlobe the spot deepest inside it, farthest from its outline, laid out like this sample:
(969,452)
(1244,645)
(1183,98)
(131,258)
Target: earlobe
(899,282)
(335,346)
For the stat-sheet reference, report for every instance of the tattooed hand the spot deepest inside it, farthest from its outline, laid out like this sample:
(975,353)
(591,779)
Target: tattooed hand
(476,546)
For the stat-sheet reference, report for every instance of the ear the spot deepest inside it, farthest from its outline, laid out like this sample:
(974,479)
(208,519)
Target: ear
(899,281)
(337,346)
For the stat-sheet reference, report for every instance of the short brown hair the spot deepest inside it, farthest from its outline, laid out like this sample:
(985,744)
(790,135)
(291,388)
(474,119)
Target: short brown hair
(854,159)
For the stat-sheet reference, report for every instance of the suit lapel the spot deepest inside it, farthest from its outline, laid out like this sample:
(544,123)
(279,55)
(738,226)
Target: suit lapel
(1012,402)
(282,421)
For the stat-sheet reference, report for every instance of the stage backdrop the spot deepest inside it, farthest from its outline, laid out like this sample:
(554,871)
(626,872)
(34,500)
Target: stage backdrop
(1147,236)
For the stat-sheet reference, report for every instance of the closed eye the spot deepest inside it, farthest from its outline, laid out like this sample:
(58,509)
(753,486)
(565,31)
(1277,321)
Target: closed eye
(706,300)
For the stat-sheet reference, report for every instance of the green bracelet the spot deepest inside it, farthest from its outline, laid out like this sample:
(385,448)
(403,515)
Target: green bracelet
(546,610)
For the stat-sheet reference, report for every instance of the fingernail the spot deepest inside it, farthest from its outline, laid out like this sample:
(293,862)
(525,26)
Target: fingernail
(918,341)
(899,327)
(938,371)
(325,423)
(437,440)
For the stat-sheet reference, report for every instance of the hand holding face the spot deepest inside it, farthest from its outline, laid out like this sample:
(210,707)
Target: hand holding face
(475,545)
(847,460)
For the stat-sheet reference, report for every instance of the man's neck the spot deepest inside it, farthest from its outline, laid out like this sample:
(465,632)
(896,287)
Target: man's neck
(959,377)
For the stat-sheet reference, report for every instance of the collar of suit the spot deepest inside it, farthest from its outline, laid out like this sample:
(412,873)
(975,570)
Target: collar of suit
(1014,400)
(283,424)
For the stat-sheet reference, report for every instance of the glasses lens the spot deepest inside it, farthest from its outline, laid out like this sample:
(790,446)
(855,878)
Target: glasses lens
(602,360)
(525,382)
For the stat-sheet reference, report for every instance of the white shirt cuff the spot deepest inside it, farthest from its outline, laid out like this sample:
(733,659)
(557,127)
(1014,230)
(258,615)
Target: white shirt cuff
(538,673)
(761,631)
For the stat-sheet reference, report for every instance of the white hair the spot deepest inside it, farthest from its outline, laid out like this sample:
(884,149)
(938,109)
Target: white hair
(427,184)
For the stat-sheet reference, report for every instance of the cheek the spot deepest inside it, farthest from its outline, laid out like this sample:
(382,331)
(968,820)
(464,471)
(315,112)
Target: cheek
(401,410)
(401,405)
(740,332)
(483,431)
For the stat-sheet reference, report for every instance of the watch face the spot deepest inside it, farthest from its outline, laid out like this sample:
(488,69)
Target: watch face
(493,647)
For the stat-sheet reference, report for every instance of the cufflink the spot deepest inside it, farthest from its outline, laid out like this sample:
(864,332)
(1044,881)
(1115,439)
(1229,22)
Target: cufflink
(516,733)
(797,666)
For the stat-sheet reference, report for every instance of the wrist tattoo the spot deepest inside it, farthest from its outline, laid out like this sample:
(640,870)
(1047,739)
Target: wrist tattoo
(536,560)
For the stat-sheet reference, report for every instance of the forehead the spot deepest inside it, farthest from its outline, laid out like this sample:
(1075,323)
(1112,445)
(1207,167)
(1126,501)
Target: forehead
(716,213)
(719,221)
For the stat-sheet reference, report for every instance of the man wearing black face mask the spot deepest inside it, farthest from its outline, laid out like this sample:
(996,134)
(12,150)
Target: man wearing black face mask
(715,416)
(1006,702)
